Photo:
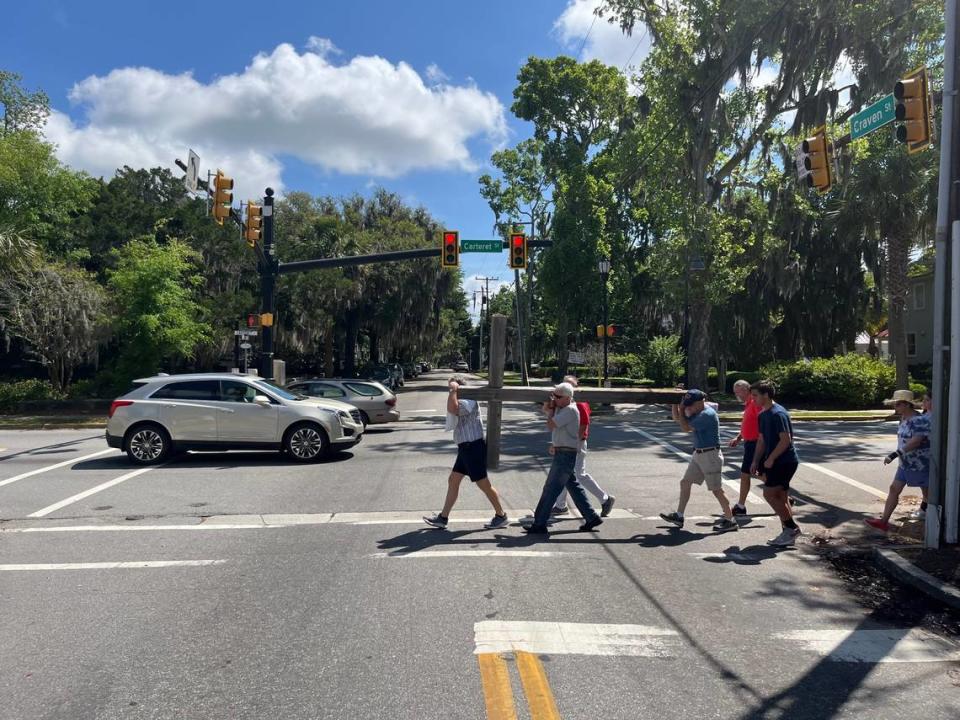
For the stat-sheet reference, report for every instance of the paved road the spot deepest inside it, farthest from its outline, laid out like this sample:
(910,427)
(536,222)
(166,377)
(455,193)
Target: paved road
(237,585)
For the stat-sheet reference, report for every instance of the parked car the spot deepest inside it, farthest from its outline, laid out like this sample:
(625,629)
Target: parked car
(461,366)
(379,373)
(223,411)
(411,370)
(425,367)
(374,401)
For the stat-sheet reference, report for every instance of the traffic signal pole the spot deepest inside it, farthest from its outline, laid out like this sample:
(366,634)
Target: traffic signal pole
(268,285)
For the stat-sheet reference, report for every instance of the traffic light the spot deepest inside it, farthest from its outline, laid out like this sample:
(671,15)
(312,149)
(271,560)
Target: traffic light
(266,319)
(615,330)
(252,230)
(913,110)
(253,320)
(518,251)
(817,161)
(450,249)
(222,197)
(601,331)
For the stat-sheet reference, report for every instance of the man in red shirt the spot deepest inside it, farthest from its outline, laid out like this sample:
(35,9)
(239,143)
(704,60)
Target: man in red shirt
(586,479)
(749,432)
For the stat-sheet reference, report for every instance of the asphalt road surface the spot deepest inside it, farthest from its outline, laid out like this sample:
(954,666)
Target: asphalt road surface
(240,585)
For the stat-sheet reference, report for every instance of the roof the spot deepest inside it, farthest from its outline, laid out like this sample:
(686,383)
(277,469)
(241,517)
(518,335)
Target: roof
(201,376)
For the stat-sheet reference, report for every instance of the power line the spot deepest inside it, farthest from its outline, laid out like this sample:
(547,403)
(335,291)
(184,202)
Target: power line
(582,44)
(646,30)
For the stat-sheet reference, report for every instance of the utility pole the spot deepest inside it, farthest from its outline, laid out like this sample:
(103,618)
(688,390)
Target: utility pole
(942,502)
(486,301)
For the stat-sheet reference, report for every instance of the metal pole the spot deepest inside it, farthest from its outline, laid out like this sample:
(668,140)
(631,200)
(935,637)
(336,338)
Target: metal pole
(606,320)
(523,362)
(498,351)
(268,282)
(951,497)
(939,391)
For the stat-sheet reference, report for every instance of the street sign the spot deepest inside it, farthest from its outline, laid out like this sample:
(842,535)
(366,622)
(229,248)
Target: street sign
(245,346)
(193,172)
(489,246)
(244,333)
(876,116)
(575,357)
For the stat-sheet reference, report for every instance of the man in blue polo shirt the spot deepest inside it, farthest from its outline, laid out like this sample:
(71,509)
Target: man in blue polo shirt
(706,463)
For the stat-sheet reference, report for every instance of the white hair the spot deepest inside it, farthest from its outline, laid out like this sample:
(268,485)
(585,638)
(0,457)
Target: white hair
(572,379)
(741,384)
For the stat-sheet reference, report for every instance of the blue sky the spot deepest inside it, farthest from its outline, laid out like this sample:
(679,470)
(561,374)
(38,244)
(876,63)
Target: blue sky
(325,97)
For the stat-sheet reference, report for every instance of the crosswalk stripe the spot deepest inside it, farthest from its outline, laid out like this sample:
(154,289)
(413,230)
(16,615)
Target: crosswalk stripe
(110,565)
(847,480)
(912,645)
(536,687)
(48,468)
(561,638)
(475,553)
(497,693)
(92,491)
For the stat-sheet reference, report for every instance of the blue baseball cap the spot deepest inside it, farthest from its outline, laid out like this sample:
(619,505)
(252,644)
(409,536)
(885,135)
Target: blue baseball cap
(692,397)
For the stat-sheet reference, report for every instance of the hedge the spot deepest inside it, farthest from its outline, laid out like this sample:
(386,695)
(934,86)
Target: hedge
(14,393)
(853,380)
(751,376)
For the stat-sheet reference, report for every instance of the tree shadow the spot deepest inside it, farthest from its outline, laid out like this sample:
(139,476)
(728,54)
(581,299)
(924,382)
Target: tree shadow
(750,555)
(63,447)
(675,537)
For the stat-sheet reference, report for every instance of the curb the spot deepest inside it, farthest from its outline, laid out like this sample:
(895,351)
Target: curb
(905,571)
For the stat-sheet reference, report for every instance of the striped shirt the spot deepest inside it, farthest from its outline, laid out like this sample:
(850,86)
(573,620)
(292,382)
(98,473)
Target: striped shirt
(469,425)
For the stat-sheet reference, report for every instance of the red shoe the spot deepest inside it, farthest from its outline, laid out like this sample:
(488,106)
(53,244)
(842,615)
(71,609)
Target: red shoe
(878,524)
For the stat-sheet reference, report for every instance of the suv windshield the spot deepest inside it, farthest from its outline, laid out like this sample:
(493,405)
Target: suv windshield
(277,390)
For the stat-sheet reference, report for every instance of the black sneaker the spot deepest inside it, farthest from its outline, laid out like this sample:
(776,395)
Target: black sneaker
(723,525)
(536,530)
(498,521)
(559,510)
(673,519)
(739,510)
(437,521)
(591,524)
(607,505)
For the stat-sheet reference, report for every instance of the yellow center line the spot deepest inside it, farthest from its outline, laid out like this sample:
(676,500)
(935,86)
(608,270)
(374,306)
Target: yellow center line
(536,688)
(497,693)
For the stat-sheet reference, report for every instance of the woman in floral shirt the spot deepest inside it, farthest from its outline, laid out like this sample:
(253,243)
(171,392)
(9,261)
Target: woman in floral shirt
(913,452)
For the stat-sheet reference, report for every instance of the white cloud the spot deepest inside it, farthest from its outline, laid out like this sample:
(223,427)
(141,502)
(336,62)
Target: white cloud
(436,75)
(604,41)
(322,46)
(366,117)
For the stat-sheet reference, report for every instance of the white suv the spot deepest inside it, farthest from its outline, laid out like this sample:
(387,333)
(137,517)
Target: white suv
(222,411)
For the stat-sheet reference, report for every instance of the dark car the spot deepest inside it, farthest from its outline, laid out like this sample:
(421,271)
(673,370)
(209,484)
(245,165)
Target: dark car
(381,373)
(411,370)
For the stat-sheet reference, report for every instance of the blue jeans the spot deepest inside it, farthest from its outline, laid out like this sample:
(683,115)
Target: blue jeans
(562,476)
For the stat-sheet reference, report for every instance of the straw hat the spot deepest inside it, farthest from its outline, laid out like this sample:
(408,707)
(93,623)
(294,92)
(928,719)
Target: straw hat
(902,396)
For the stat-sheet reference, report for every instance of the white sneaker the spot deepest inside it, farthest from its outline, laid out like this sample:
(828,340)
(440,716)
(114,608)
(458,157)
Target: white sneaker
(786,538)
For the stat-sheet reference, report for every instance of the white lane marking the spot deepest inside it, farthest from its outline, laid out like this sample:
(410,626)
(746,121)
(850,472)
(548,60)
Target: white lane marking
(472,553)
(111,565)
(562,638)
(48,468)
(92,491)
(847,480)
(751,496)
(122,528)
(876,646)
(745,557)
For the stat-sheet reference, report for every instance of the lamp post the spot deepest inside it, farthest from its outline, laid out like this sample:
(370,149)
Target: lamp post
(604,267)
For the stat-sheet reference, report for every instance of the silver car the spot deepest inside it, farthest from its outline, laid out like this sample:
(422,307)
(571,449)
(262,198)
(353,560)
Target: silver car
(375,402)
(222,411)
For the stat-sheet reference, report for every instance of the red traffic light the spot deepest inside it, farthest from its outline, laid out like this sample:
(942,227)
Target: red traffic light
(450,249)
(252,320)
(518,251)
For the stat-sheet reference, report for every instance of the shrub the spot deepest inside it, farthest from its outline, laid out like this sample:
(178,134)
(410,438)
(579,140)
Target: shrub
(626,365)
(663,360)
(713,378)
(13,393)
(593,382)
(851,380)
(919,389)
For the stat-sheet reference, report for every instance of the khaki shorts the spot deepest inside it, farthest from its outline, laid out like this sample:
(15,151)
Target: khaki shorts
(706,466)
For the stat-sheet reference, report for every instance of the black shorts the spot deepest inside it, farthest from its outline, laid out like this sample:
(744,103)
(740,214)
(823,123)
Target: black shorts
(472,459)
(749,449)
(779,475)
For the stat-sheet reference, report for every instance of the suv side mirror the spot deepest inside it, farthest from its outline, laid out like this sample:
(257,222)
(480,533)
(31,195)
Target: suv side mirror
(261,400)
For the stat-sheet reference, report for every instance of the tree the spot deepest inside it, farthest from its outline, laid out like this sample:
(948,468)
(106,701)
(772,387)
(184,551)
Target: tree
(699,46)
(21,110)
(153,289)
(59,312)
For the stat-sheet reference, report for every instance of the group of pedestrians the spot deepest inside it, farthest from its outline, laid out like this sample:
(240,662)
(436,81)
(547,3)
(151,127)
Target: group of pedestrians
(769,455)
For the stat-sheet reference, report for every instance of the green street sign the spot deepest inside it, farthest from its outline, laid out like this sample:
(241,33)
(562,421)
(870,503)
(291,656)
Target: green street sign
(491,246)
(876,116)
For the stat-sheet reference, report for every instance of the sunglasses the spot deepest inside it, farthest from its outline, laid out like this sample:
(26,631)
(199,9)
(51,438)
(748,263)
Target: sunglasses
(557,397)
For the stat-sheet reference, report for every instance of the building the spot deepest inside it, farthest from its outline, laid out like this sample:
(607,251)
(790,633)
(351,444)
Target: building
(918,319)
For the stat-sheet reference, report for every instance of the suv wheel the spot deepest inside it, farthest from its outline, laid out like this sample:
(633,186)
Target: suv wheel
(306,442)
(147,444)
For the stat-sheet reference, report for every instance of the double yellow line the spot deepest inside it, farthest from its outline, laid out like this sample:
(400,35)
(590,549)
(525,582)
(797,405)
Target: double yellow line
(498,694)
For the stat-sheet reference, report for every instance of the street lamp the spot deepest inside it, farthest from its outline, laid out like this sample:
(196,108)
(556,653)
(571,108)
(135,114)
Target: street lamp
(604,267)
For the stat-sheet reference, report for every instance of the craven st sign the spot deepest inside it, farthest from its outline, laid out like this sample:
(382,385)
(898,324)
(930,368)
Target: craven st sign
(876,116)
